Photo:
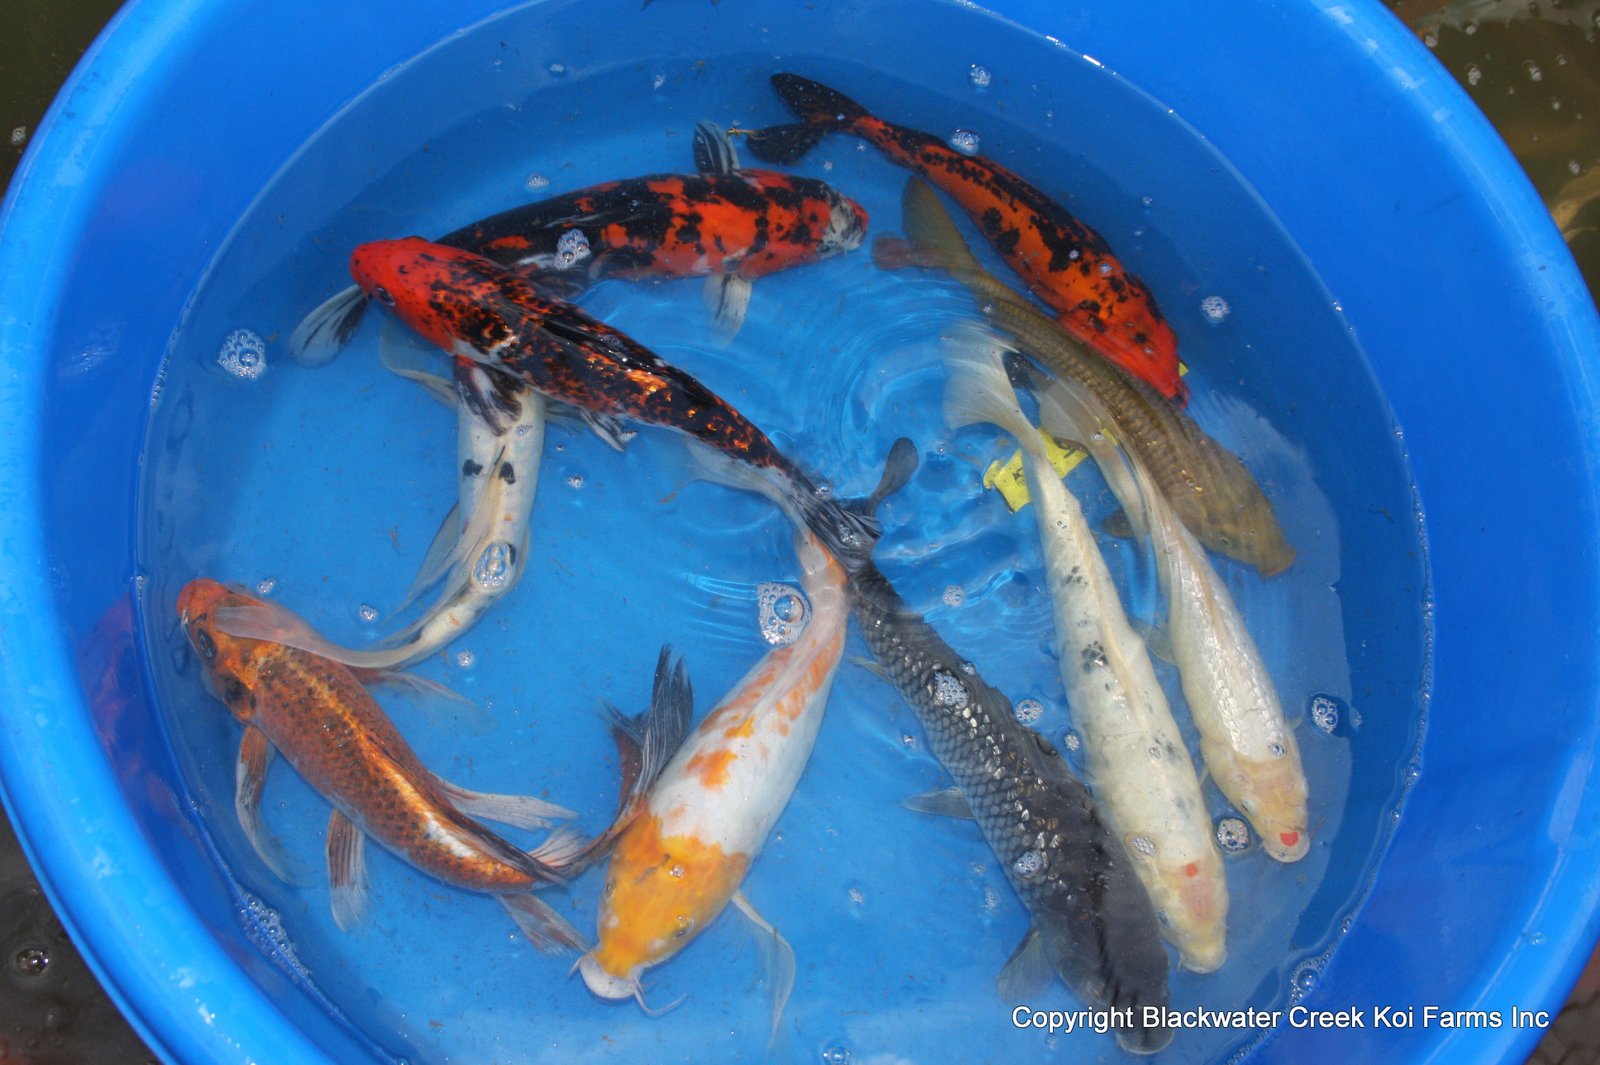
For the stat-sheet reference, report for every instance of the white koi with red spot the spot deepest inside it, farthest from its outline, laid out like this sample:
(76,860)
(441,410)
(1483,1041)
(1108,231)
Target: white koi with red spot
(1137,761)
(682,858)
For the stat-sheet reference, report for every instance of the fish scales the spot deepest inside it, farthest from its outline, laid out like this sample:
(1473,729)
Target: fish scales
(1038,819)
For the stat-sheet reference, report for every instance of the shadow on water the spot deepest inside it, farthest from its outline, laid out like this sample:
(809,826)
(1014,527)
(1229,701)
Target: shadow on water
(1533,68)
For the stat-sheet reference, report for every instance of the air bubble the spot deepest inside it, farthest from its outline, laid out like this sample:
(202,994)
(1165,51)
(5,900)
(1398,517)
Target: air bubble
(575,481)
(465,659)
(1105,269)
(493,570)
(1029,863)
(856,897)
(1430,40)
(658,81)
(835,1054)
(367,612)
(1304,979)
(31,961)
(979,76)
(908,741)
(991,899)
(572,247)
(969,669)
(536,182)
(954,595)
(18,135)
(1277,750)
(1215,309)
(1233,835)
(1029,710)
(949,691)
(1474,75)
(265,585)
(676,871)
(557,69)
(1325,712)
(243,354)
(782,612)
(964,141)
(685,925)
(1530,68)
(1574,167)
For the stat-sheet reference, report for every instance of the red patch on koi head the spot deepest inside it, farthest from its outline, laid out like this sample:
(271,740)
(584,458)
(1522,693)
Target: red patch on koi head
(1288,839)
(400,275)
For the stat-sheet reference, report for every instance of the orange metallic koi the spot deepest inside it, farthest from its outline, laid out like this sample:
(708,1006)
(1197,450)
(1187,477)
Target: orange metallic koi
(1064,262)
(321,716)
(476,309)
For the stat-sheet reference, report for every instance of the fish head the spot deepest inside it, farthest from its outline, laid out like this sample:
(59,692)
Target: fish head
(222,664)
(1192,900)
(846,225)
(1248,530)
(1272,794)
(450,297)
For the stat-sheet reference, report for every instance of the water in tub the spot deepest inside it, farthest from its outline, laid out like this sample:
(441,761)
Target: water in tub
(322,488)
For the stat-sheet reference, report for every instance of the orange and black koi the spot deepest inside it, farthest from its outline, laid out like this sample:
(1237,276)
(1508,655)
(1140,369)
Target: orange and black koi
(475,309)
(726,224)
(1064,262)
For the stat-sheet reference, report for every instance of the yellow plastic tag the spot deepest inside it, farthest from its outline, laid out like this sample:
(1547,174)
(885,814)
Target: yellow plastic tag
(1008,479)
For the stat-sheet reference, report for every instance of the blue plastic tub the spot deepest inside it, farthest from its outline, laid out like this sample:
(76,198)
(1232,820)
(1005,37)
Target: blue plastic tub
(1409,209)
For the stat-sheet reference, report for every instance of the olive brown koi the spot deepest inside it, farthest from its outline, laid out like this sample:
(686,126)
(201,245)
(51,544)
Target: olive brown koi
(319,714)
(1212,492)
(1139,765)
(724,223)
(1247,743)
(478,310)
(1092,922)
(1065,263)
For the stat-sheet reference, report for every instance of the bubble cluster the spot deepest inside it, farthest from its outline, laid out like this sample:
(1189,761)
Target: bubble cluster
(1029,863)
(575,481)
(1070,740)
(367,612)
(834,1054)
(1029,710)
(465,659)
(243,354)
(31,961)
(1215,309)
(265,585)
(949,691)
(1233,835)
(965,141)
(782,612)
(536,182)
(557,69)
(1325,712)
(572,247)
(979,76)
(954,595)
(856,897)
(1142,845)
(1474,74)
(493,570)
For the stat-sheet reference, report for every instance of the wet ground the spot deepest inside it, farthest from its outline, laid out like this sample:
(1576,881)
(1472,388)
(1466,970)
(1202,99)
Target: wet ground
(1533,66)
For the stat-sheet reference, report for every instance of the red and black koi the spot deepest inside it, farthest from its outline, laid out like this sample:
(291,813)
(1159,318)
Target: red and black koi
(475,309)
(1065,263)
(723,223)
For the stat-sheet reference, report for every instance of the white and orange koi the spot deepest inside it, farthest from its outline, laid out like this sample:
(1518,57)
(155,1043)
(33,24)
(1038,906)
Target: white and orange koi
(681,860)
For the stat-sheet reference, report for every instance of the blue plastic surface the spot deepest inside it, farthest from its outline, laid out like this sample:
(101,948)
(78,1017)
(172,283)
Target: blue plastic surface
(1412,212)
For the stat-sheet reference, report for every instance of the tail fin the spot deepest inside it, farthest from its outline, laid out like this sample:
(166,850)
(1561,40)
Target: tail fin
(326,330)
(645,744)
(820,109)
(861,514)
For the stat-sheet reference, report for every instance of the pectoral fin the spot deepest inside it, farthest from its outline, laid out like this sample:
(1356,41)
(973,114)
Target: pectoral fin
(250,776)
(519,811)
(777,958)
(607,427)
(1027,972)
(544,928)
(727,297)
(946,802)
(347,871)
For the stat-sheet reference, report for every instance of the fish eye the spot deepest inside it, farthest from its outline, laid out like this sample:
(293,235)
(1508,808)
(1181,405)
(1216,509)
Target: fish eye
(383,295)
(203,640)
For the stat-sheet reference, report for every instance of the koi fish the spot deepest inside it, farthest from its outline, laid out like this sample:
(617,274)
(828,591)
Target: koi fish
(1138,763)
(1065,263)
(321,716)
(1246,742)
(1091,921)
(681,861)
(724,223)
(1211,490)
(478,310)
